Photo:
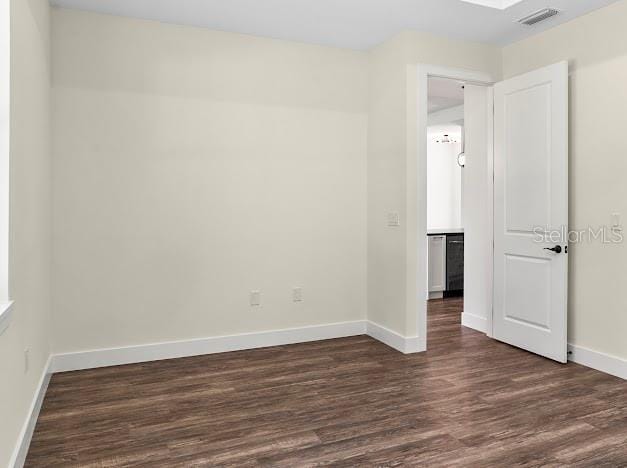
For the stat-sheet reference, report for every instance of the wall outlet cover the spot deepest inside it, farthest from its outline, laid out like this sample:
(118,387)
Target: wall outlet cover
(394,219)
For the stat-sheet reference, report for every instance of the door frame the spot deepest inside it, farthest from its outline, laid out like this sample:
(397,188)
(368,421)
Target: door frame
(417,280)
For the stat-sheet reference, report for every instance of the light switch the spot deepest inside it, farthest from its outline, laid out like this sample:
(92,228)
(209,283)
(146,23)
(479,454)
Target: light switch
(255,298)
(393,219)
(297,294)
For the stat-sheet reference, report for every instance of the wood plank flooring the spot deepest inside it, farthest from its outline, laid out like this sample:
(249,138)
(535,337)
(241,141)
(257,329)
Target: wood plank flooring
(468,401)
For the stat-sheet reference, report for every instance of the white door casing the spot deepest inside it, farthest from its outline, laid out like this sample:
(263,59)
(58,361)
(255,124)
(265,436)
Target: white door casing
(531,194)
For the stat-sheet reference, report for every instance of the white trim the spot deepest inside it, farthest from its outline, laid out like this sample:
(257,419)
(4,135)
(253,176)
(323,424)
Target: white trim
(170,350)
(26,434)
(490,240)
(219,344)
(5,123)
(461,74)
(474,321)
(417,277)
(394,340)
(597,360)
(6,311)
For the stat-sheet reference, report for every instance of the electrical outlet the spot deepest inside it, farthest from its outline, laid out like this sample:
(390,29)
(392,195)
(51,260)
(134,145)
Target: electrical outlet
(255,298)
(26,360)
(297,294)
(394,219)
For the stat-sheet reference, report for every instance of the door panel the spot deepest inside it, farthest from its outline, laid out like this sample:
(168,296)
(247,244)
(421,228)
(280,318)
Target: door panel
(531,196)
(523,274)
(526,153)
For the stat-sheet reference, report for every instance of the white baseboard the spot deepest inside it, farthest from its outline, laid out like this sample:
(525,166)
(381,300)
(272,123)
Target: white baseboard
(220,344)
(475,322)
(26,434)
(600,361)
(394,340)
(175,349)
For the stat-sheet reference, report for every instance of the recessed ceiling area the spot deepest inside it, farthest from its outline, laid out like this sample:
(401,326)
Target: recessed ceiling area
(500,4)
(355,24)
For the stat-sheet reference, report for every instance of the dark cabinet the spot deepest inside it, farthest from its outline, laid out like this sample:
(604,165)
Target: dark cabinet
(454,262)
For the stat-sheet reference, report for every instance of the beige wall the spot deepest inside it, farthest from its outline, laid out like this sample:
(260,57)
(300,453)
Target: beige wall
(193,166)
(392,166)
(596,47)
(29,250)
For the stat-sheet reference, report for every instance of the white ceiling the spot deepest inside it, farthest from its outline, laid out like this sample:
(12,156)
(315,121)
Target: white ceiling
(356,24)
(444,93)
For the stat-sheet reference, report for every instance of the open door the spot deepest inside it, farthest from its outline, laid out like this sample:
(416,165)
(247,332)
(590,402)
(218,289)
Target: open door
(531,211)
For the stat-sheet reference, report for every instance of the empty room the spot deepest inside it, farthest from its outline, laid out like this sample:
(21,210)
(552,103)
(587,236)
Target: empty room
(295,233)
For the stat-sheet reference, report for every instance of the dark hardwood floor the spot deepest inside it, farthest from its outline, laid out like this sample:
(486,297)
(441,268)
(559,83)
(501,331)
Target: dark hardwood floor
(468,401)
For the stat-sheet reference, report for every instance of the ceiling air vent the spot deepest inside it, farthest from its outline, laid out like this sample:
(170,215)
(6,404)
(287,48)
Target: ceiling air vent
(538,16)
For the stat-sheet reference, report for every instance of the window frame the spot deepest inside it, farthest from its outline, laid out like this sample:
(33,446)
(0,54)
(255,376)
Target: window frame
(5,109)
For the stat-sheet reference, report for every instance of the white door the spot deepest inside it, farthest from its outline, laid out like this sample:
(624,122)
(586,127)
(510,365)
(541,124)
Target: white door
(530,198)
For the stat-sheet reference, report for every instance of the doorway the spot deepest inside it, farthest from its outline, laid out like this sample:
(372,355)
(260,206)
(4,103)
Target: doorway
(514,206)
(457,204)
(452,97)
